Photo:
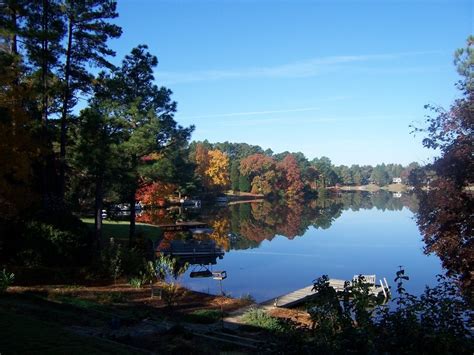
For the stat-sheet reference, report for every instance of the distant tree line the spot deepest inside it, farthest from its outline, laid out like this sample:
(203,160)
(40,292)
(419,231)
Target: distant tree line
(249,168)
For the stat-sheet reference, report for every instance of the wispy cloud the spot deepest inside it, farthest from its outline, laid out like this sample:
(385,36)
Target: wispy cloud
(297,69)
(281,121)
(253,113)
(247,119)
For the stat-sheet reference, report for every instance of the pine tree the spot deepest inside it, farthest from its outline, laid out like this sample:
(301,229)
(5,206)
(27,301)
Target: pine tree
(149,117)
(88,31)
(235,175)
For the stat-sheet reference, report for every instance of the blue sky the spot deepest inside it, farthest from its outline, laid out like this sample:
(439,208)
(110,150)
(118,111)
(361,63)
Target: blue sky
(342,79)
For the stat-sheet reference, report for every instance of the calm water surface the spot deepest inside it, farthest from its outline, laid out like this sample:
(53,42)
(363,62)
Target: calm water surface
(278,248)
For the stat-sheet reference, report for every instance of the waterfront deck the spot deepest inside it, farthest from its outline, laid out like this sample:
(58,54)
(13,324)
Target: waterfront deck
(304,294)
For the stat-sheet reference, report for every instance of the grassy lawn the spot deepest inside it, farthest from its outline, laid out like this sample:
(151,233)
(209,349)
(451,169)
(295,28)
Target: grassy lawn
(119,229)
(50,321)
(22,334)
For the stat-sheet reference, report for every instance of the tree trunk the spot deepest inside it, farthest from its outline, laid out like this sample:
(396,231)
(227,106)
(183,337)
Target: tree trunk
(98,211)
(44,63)
(13,44)
(131,235)
(64,113)
(46,186)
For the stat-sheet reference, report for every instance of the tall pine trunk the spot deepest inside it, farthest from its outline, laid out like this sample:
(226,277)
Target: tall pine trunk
(44,62)
(13,41)
(64,113)
(131,235)
(47,188)
(99,192)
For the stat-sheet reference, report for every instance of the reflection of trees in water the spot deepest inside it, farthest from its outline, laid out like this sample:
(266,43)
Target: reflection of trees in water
(155,216)
(220,234)
(264,220)
(267,220)
(251,223)
(167,215)
(445,221)
(381,200)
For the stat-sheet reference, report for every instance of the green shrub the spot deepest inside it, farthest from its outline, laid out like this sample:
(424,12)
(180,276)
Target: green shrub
(171,294)
(136,282)
(111,259)
(6,280)
(259,318)
(116,260)
(353,321)
(55,243)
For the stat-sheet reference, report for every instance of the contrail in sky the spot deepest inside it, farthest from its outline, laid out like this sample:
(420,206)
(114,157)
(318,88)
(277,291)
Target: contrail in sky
(252,113)
(297,69)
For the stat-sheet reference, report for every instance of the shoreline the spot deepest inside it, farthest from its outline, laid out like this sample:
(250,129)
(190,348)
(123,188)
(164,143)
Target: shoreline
(373,188)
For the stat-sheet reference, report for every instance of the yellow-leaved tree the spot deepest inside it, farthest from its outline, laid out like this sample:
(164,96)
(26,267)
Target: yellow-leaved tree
(218,169)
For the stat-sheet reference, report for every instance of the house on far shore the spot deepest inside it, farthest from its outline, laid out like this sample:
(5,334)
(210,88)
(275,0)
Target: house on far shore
(397,180)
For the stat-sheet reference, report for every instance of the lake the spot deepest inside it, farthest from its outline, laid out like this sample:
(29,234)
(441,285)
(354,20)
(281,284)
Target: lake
(275,248)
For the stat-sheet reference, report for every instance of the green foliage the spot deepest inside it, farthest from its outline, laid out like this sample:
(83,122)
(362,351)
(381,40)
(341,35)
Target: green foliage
(325,310)
(380,175)
(235,175)
(115,261)
(204,316)
(6,280)
(145,122)
(327,175)
(136,282)
(171,293)
(259,318)
(167,267)
(353,321)
(56,243)
(112,259)
(147,272)
(244,183)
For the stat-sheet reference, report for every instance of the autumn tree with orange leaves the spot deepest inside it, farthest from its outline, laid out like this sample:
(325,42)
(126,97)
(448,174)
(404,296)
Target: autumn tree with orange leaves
(155,193)
(262,172)
(291,184)
(212,168)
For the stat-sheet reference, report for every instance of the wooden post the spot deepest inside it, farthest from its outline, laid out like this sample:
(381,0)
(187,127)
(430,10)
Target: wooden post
(383,289)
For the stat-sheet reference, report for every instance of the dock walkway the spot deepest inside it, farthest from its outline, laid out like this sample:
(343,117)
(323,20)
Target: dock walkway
(303,294)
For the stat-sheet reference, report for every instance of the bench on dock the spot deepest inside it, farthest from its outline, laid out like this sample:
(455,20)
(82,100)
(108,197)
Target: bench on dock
(369,279)
(306,293)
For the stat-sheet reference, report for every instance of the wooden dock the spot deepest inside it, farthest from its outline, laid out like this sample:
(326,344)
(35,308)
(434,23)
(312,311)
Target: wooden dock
(304,294)
(202,252)
(181,226)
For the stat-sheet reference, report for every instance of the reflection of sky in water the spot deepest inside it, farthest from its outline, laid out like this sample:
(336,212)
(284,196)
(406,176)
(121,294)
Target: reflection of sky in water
(362,242)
